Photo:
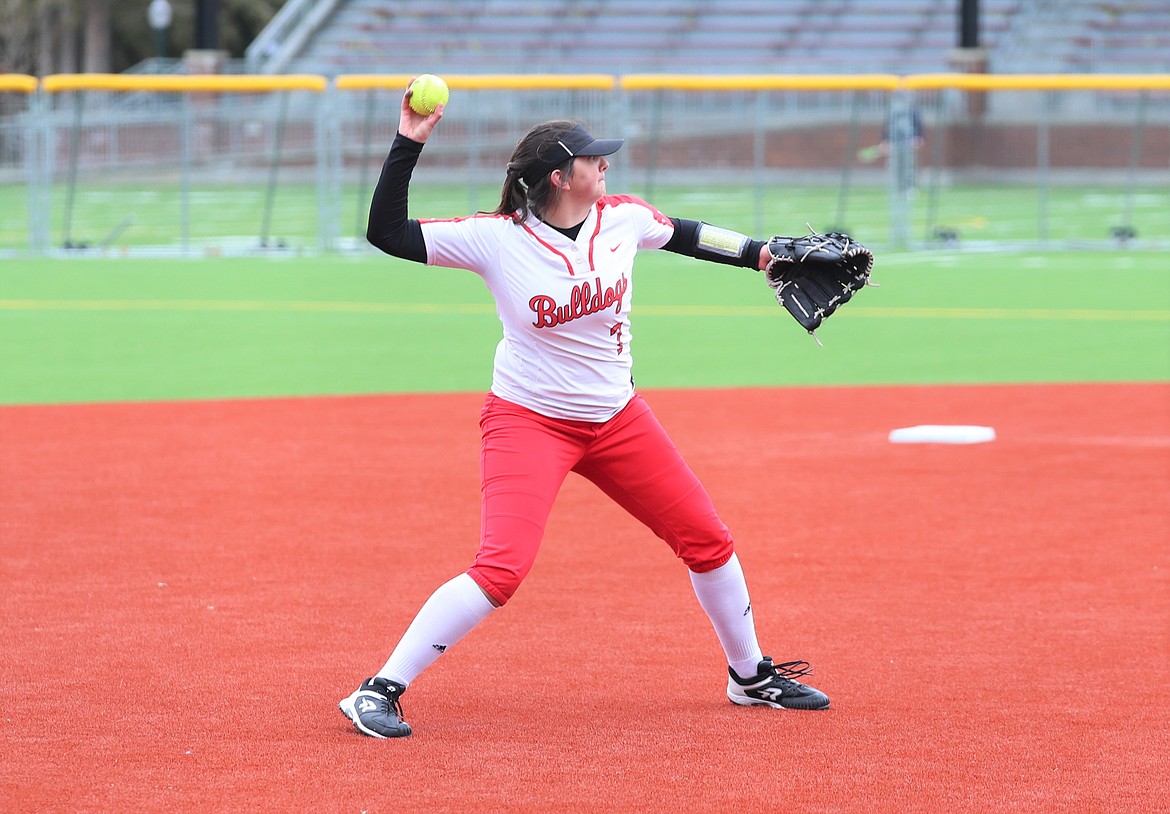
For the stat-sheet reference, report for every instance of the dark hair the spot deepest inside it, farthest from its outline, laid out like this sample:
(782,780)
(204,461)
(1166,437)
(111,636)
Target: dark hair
(521,195)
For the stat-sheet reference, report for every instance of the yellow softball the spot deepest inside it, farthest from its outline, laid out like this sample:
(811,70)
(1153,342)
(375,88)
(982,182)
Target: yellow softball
(428,92)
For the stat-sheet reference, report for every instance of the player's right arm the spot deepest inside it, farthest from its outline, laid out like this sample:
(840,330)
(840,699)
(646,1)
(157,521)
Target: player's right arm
(466,243)
(389,228)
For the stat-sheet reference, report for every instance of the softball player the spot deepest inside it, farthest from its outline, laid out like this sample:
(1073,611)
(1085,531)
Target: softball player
(557,255)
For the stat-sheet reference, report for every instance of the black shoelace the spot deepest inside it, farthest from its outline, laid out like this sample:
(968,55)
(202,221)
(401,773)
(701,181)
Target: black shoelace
(395,704)
(793,669)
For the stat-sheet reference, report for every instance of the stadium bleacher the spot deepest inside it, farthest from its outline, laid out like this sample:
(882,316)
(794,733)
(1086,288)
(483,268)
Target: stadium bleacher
(624,36)
(1135,35)
(727,36)
(1091,36)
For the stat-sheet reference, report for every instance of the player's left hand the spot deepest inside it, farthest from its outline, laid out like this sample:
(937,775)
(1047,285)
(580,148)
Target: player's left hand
(816,274)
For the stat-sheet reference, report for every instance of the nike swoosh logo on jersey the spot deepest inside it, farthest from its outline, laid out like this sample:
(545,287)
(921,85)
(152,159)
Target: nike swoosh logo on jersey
(615,247)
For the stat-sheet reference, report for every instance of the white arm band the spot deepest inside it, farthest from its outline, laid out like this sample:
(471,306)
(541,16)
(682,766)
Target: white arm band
(723,242)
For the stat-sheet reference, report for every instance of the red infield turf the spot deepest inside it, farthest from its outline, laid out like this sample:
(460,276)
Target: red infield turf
(189,588)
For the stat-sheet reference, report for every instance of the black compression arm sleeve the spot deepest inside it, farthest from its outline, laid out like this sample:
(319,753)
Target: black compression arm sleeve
(388,228)
(686,241)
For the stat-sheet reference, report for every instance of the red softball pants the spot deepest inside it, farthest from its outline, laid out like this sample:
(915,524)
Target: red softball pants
(525,457)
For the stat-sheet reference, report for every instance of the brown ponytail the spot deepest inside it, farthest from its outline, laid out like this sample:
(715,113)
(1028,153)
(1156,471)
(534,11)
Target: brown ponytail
(523,193)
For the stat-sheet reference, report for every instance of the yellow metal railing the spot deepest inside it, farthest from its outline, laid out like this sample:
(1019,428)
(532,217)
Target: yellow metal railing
(183,83)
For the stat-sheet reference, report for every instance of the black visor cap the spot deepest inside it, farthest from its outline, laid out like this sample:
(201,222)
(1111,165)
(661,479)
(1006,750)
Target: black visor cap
(576,142)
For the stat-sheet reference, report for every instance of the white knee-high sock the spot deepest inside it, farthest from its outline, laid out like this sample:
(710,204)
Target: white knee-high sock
(452,611)
(723,594)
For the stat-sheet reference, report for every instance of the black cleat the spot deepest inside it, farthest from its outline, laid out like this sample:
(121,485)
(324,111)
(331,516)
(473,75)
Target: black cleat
(376,709)
(773,686)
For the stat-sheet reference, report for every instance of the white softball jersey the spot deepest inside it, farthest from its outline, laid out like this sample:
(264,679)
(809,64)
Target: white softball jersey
(564,304)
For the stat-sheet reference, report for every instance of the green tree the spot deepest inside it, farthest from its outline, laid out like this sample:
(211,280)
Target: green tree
(41,37)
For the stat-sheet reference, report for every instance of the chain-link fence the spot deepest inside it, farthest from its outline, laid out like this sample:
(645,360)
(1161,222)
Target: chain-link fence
(238,163)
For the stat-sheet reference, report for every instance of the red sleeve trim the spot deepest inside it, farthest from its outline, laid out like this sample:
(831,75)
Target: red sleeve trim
(614,200)
(461,219)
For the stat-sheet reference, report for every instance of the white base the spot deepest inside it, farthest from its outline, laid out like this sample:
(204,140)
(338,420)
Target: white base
(942,434)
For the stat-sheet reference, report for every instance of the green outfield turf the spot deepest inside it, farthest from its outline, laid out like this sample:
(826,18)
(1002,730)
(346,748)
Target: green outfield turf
(138,329)
(150,214)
